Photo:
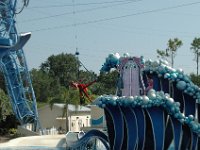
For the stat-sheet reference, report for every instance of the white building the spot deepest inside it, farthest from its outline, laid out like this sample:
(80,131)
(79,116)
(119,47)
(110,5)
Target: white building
(78,117)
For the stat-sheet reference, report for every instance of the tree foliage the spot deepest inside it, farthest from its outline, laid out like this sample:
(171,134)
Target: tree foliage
(171,50)
(5,106)
(62,66)
(86,76)
(53,78)
(195,79)
(67,96)
(195,47)
(2,82)
(41,84)
(106,83)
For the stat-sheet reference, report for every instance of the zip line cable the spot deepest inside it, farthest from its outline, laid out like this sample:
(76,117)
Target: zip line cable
(117,17)
(82,4)
(83,66)
(79,11)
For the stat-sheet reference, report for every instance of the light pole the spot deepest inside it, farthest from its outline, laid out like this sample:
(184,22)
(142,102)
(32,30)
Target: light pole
(66,95)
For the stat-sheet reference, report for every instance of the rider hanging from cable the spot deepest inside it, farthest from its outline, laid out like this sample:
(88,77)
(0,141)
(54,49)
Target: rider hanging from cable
(83,91)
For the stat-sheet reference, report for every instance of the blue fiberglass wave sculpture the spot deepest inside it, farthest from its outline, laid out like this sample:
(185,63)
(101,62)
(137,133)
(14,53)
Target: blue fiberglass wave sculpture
(13,64)
(156,106)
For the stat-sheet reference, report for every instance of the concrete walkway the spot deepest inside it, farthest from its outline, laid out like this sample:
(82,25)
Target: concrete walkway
(44,140)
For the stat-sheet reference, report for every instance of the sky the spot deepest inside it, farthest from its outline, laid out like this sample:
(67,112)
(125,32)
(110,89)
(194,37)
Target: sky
(97,28)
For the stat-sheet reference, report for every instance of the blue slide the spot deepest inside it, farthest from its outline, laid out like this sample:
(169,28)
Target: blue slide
(84,141)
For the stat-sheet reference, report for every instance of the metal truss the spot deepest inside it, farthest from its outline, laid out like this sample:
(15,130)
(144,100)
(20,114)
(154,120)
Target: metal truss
(13,64)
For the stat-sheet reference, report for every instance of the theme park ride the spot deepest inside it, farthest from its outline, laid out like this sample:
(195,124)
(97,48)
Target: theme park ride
(156,107)
(13,64)
(80,85)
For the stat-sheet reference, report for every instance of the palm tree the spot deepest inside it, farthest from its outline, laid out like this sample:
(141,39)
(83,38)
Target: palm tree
(172,46)
(67,96)
(195,46)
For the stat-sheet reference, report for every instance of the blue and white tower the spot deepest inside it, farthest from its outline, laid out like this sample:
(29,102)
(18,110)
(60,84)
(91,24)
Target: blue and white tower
(13,64)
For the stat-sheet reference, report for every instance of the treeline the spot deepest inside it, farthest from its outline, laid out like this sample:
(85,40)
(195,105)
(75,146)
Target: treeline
(51,82)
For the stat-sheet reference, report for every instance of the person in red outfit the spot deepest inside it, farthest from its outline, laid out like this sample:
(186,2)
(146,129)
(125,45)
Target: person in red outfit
(83,91)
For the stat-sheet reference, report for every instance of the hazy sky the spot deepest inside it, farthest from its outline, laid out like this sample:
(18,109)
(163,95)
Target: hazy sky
(100,27)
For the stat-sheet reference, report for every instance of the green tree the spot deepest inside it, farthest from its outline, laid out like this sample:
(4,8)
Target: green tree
(170,52)
(87,76)
(68,96)
(62,66)
(41,84)
(5,107)
(2,82)
(195,79)
(106,84)
(195,47)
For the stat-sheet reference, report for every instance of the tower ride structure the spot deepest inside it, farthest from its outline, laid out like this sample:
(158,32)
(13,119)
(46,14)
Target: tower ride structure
(13,64)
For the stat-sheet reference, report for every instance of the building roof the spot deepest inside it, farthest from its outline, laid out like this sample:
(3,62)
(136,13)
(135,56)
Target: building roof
(72,108)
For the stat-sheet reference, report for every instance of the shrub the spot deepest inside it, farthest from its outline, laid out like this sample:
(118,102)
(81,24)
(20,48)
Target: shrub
(12,131)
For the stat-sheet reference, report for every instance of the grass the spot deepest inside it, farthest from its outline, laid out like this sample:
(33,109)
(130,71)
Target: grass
(41,104)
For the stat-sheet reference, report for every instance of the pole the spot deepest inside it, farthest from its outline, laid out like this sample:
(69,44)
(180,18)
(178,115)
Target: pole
(67,110)
(197,63)
(172,59)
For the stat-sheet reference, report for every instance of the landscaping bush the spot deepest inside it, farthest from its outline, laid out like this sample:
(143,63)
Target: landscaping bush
(12,131)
